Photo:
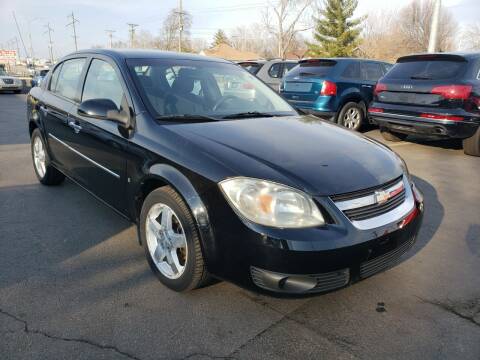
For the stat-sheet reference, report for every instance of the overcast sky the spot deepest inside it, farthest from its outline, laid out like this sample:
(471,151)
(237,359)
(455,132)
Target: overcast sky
(208,15)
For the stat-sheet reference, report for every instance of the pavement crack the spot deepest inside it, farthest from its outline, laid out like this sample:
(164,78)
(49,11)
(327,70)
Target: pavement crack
(469,310)
(28,330)
(190,356)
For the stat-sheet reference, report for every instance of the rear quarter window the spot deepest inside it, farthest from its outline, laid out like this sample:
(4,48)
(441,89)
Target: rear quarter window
(427,70)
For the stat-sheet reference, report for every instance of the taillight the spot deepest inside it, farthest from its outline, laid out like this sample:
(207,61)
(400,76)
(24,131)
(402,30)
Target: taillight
(379,88)
(442,117)
(461,92)
(328,88)
(375,110)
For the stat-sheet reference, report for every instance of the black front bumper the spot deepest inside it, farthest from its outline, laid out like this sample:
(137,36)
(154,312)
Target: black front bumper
(426,127)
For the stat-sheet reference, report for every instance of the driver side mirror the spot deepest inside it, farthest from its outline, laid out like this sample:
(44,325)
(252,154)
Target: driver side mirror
(103,109)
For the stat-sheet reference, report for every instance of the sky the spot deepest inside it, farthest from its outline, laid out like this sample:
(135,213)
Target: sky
(95,16)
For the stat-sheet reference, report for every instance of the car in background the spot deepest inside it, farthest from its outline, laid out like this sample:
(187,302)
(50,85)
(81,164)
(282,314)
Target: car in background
(270,72)
(338,89)
(39,76)
(432,95)
(10,83)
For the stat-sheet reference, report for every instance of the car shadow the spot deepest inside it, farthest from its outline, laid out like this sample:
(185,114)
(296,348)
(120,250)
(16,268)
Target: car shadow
(449,144)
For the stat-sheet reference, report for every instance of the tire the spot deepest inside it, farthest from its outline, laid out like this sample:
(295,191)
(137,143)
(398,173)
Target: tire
(352,116)
(46,173)
(189,271)
(471,145)
(392,136)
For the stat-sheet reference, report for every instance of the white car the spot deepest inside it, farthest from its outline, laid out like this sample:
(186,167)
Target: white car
(10,83)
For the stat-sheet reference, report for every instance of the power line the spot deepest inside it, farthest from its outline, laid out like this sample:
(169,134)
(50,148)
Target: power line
(74,21)
(132,33)
(110,35)
(50,43)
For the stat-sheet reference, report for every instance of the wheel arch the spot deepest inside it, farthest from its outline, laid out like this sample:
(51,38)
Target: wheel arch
(353,96)
(166,175)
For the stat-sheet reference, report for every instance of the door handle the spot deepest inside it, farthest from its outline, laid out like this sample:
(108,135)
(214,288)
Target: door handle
(74,126)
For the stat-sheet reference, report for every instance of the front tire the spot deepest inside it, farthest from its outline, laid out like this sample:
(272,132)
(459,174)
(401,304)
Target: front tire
(352,116)
(392,136)
(471,145)
(171,241)
(46,173)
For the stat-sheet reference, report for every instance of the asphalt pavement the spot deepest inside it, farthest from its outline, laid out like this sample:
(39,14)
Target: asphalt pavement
(74,284)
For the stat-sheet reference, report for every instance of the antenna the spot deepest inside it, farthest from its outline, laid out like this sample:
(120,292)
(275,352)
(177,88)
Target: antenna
(132,33)
(72,16)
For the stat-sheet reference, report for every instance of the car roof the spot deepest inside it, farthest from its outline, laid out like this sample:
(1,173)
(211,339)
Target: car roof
(146,54)
(345,59)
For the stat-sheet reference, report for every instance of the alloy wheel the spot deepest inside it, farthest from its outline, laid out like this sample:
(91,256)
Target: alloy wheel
(352,118)
(39,156)
(166,241)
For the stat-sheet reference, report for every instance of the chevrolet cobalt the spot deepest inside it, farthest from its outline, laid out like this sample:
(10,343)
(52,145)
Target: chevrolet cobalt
(219,181)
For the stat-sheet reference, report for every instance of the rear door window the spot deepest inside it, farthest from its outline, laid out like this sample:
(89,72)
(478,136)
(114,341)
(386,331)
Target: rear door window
(427,70)
(372,71)
(69,78)
(275,70)
(54,79)
(352,71)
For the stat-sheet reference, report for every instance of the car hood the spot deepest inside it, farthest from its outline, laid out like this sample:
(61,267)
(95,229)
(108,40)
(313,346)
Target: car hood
(300,151)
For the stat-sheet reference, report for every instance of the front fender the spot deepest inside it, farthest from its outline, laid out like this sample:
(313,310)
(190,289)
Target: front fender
(184,187)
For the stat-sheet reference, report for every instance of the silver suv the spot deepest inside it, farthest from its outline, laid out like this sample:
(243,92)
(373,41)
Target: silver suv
(270,72)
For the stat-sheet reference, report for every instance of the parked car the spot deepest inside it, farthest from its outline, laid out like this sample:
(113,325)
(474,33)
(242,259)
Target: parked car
(338,89)
(39,76)
(248,191)
(10,83)
(431,95)
(270,72)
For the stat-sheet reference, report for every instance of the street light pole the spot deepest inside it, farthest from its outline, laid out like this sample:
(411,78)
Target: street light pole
(433,41)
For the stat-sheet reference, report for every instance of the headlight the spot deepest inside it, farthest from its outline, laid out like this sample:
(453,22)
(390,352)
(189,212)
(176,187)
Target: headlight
(271,204)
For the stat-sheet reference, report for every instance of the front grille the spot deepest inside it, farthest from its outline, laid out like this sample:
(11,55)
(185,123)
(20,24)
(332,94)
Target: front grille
(331,280)
(8,81)
(367,212)
(370,209)
(382,262)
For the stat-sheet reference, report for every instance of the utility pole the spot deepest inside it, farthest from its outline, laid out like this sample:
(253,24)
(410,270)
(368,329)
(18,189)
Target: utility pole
(433,41)
(50,43)
(74,21)
(110,35)
(180,25)
(132,33)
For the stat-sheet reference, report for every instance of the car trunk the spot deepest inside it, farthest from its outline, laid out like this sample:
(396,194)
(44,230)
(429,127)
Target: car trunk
(304,82)
(425,80)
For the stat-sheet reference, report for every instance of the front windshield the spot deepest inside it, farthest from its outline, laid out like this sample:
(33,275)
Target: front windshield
(203,88)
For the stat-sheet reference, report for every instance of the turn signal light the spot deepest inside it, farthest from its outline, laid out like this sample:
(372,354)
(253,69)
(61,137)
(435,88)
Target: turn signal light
(461,92)
(328,88)
(409,218)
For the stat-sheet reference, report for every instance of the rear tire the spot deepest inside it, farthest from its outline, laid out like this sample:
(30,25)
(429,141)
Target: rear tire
(392,136)
(471,145)
(172,245)
(352,116)
(46,173)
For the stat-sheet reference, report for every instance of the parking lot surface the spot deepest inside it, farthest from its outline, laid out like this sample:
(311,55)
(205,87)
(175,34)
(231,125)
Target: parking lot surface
(74,283)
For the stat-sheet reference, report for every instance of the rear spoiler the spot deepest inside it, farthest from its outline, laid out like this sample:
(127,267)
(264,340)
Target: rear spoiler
(431,57)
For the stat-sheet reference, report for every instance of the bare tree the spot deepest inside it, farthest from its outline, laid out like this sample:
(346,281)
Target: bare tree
(171,28)
(284,19)
(414,25)
(471,37)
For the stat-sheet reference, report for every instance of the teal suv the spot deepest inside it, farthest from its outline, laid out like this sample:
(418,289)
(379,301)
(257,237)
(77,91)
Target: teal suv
(339,89)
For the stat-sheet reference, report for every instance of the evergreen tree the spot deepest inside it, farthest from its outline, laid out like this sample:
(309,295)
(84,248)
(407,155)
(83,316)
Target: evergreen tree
(336,33)
(220,38)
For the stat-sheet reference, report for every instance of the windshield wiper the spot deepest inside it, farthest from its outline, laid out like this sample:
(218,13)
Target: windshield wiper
(248,114)
(186,117)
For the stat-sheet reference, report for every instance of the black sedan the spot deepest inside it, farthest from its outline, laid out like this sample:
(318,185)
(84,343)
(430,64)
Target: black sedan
(221,181)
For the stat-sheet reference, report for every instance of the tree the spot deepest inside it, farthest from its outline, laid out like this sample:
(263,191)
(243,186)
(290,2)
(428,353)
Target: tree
(471,37)
(171,30)
(289,17)
(336,32)
(220,38)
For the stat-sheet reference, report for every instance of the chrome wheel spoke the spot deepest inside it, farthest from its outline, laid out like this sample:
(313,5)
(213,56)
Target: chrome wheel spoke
(177,240)
(172,260)
(167,219)
(159,253)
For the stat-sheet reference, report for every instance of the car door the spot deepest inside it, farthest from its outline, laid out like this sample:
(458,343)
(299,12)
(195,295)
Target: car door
(59,98)
(371,72)
(101,166)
